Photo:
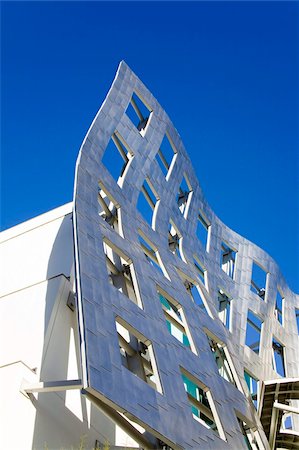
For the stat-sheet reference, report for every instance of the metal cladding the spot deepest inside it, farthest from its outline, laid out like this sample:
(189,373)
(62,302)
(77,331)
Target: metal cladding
(129,262)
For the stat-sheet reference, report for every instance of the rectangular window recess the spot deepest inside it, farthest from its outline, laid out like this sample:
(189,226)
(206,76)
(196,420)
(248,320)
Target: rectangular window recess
(175,320)
(116,158)
(224,367)
(279,304)
(137,355)
(258,280)
(147,202)
(109,209)
(184,195)
(201,402)
(224,311)
(249,436)
(139,113)
(253,332)
(202,230)
(253,386)
(121,273)
(151,254)
(175,241)
(166,156)
(201,272)
(195,293)
(278,357)
(228,259)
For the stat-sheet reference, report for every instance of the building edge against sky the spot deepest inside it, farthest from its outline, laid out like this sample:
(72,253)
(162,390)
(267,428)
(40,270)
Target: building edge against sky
(172,307)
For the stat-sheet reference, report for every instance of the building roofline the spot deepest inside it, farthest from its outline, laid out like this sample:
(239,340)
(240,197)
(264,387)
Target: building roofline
(36,222)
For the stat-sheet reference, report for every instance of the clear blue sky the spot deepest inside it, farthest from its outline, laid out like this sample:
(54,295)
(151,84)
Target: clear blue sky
(226,73)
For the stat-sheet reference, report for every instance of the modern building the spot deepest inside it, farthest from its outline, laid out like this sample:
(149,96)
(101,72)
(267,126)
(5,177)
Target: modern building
(133,317)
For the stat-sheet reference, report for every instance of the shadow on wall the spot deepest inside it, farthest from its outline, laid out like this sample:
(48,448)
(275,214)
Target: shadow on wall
(63,418)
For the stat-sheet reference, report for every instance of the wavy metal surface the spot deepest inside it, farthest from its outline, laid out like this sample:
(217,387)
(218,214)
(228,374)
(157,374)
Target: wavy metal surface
(168,415)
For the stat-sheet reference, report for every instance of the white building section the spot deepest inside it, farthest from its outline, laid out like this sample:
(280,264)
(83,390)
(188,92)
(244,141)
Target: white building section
(40,349)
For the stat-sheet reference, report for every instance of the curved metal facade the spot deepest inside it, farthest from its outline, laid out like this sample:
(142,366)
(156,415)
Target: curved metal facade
(146,273)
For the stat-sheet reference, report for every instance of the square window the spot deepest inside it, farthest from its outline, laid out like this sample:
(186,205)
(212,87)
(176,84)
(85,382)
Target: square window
(228,259)
(151,254)
(184,195)
(108,209)
(253,386)
(224,308)
(278,357)
(175,320)
(166,156)
(116,158)
(139,113)
(137,355)
(258,280)
(202,230)
(253,332)
(201,402)
(147,203)
(121,273)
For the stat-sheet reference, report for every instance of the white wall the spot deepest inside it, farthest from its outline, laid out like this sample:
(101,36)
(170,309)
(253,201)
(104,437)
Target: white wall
(39,341)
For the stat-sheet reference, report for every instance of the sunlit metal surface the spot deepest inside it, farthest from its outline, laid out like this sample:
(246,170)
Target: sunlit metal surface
(122,280)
